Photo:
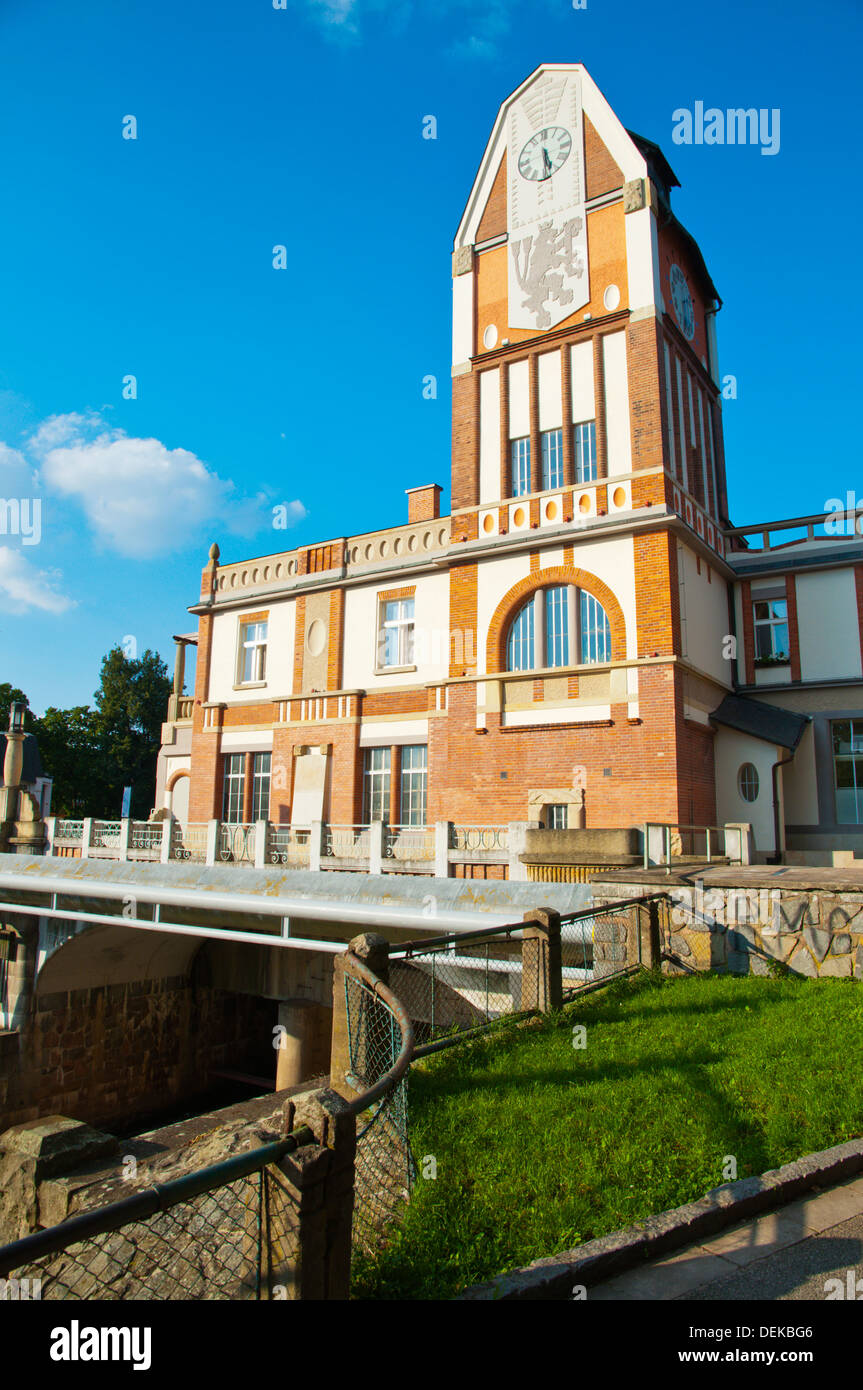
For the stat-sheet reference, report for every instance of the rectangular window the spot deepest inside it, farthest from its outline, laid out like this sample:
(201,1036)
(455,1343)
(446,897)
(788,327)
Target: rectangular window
(556,627)
(519,647)
(233,787)
(396,634)
(520,467)
(847,737)
(556,817)
(552,459)
(584,448)
(376,785)
(412,806)
(253,652)
(771,630)
(261,786)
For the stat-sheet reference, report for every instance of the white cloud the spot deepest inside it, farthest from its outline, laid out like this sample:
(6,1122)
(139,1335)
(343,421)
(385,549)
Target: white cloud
(482,25)
(139,497)
(23,586)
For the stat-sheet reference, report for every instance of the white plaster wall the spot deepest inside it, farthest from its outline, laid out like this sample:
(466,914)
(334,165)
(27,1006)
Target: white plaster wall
(494,579)
(280,653)
(617,404)
(519,400)
(640,234)
(550,398)
(731,749)
(431,635)
(800,783)
(828,625)
(583,399)
(489,435)
(462,319)
(706,608)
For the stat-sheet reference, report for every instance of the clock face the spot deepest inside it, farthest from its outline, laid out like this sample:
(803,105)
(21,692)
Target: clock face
(682,301)
(544,153)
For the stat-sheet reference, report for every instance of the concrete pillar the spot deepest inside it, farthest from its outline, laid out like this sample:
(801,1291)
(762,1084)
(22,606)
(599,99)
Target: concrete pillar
(316,845)
(377,846)
(125,830)
(86,837)
(297,1020)
(262,829)
(442,837)
(517,841)
(212,856)
(310,1202)
(541,962)
(167,830)
(49,834)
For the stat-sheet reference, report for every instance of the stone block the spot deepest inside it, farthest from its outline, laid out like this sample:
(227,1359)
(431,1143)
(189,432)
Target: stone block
(56,1144)
(758,965)
(679,945)
(818,942)
(840,966)
(841,944)
(802,963)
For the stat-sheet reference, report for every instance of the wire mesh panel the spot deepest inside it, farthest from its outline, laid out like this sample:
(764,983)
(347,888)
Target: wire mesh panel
(384,1170)
(210,1247)
(450,988)
(596,945)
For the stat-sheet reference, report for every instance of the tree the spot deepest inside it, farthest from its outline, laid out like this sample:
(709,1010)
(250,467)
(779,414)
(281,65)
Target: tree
(70,753)
(130,708)
(8,695)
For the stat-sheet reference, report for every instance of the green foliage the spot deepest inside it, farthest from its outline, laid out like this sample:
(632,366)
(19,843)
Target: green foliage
(9,694)
(92,754)
(541,1146)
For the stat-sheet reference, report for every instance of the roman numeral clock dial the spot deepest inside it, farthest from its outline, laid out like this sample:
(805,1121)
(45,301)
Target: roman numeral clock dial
(545,153)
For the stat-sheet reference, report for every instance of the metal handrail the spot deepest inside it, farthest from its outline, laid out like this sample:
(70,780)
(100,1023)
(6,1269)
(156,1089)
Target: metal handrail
(403,1060)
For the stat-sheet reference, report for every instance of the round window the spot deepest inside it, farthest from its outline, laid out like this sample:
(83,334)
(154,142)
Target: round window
(747,781)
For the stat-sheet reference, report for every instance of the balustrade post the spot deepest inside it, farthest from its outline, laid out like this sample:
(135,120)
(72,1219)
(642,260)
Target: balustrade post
(516,846)
(377,831)
(213,828)
(316,845)
(86,837)
(50,822)
(442,838)
(167,833)
(262,831)
(125,833)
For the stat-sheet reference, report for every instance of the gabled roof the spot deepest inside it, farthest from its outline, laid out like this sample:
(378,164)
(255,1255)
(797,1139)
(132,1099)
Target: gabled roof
(768,722)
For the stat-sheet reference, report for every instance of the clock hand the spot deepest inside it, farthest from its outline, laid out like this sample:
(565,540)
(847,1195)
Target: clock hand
(546,158)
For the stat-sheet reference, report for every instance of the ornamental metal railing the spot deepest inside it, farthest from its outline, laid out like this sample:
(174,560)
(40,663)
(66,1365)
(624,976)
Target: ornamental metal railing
(236,843)
(145,839)
(289,845)
(347,842)
(189,842)
(409,842)
(479,837)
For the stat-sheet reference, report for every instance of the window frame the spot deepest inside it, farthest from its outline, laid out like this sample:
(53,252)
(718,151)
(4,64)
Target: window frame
(770,625)
(590,473)
(405,630)
(576,632)
(261,779)
(377,781)
(257,648)
(519,466)
(745,774)
(233,779)
(854,757)
(413,787)
(549,485)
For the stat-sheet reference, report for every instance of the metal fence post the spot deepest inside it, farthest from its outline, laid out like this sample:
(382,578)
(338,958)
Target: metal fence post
(373,951)
(541,964)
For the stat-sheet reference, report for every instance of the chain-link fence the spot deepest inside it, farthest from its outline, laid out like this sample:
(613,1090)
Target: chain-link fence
(221,1233)
(384,1169)
(599,943)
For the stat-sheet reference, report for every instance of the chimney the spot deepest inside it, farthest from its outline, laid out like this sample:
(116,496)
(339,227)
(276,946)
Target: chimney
(424,502)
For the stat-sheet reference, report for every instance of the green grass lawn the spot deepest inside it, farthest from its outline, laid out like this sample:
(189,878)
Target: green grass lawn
(540,1146)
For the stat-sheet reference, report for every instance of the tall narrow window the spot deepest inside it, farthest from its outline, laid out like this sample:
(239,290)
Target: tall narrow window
(519,647)
(261,786)
(771,630)
(552,458)
(847,737)
(376,785)
(233,787)
(396,633)
(556,627)
(253,652)
(585,452)
(520,467)
(595,630)
(412,804)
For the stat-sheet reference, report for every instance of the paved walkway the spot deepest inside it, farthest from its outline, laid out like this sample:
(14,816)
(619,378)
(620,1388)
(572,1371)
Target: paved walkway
(786,1254)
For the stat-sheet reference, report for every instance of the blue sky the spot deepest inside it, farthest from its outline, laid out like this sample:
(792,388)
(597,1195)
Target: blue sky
(259,126)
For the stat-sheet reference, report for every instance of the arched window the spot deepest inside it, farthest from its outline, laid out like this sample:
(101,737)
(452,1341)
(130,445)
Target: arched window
(558,626)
